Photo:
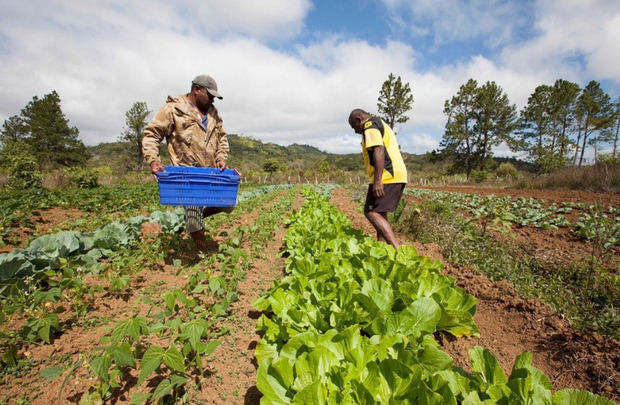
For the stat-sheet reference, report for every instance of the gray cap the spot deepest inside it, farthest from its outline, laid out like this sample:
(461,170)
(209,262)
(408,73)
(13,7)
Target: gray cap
(208,83)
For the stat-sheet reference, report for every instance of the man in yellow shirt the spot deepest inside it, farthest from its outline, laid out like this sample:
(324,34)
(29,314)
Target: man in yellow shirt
(386,171)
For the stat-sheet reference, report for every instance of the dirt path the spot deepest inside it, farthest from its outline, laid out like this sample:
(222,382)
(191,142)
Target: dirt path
(511,324)
(233,380)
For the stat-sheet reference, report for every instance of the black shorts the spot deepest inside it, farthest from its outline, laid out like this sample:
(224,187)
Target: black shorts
(392,194)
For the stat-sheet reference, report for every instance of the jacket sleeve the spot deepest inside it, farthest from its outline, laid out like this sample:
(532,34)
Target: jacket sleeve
(159,128)
(221,154)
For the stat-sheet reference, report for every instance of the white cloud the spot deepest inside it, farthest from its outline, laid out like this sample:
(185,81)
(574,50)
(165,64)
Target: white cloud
(341,144)
(419,143)
(272,95)
(517,84)
(458,20)
(272,19)
(576,40)
(267,19)
(504,150)
(101,58)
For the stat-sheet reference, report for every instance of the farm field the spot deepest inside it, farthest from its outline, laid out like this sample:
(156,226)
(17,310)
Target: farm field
(514,321)
(127,312)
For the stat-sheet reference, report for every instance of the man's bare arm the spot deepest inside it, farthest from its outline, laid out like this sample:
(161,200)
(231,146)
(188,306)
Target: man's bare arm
(378,153)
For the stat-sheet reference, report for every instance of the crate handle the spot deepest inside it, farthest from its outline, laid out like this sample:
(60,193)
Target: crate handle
(200,178)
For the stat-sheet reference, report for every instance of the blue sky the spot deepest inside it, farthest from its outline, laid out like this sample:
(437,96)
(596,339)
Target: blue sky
(291,70)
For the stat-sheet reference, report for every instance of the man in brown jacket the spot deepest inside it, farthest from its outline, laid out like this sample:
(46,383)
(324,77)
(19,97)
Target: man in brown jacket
(193,130)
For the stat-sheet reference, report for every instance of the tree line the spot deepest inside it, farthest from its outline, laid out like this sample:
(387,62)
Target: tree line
(553,130)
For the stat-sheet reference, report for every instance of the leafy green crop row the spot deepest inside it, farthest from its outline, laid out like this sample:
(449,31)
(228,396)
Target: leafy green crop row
(46,252)
(188,321)
(324,189)
(353,323)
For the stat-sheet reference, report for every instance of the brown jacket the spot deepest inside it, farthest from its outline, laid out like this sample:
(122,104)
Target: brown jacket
(189,142)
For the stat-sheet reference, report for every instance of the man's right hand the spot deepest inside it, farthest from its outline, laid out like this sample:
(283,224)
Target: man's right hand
(377,188)
(157,167)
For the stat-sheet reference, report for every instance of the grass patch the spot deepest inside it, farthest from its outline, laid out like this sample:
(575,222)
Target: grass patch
(604,177)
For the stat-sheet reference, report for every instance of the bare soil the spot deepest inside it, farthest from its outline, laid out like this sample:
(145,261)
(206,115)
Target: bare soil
(510,323)
(233,380)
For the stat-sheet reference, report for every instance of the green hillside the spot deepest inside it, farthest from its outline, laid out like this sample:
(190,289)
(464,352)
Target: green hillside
(250,155)
(248,151)
(257,159)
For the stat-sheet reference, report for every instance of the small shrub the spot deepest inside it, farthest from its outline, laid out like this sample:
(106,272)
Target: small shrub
(55,179)
(507,170)
(479,175)
(607,159)
(22,170)
(103,171)
(82,178)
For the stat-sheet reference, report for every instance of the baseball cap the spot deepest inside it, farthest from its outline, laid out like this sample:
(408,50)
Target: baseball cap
(208,83)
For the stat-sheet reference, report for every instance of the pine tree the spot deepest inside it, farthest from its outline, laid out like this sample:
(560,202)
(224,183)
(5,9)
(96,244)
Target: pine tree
(479,118)
(13,129)
(564,99)
(43,126)
(395,99)
(458,139)
(495,120)
(596,113)
(535,126)
(135,122)
(546,124)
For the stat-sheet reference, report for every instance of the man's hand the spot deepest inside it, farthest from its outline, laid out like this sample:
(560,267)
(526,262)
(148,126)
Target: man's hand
(157,167)
(377,188)
(221,164)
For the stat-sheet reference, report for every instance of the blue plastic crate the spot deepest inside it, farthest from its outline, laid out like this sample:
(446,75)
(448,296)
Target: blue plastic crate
(198,186)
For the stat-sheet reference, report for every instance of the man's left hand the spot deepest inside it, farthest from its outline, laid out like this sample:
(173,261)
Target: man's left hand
(222,165)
